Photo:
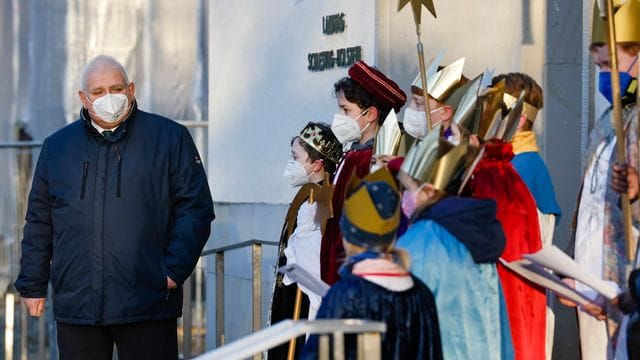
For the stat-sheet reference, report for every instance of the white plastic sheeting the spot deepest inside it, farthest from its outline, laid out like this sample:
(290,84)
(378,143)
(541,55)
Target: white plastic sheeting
(162,44)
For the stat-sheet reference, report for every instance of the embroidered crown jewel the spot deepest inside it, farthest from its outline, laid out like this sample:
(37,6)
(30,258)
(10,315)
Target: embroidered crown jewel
(326,145)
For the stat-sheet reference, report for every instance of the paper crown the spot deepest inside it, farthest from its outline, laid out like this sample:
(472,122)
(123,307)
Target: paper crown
(371,211)
(323,141)
(467,110)
(388,137)
(490,110)
(627,20)
(505,127)
(436,161)
(378,85)
(528,110)
(443,83)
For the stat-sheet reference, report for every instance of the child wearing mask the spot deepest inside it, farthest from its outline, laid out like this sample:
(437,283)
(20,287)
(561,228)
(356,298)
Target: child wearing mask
(599,236)
(315,153)
(374,281)
(454,244)
(365,98)
(445,92)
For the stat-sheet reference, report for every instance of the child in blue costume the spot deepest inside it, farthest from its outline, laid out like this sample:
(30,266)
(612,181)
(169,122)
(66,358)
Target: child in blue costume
(374,281)
(527,160)
(454,244)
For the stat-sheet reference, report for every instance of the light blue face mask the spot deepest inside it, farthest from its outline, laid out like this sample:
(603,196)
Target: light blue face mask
(604,82)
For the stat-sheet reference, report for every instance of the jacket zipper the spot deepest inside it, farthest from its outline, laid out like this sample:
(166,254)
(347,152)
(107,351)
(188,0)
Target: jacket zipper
(119,171)
(85,172)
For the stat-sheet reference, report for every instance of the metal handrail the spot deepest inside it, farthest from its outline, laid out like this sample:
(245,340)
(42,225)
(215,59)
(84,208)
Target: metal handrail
(280,333)
(237,245)
(20,144)
(256,266)
(193,123)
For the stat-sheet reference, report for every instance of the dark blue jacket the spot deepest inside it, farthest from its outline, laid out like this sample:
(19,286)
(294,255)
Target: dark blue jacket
(109,219)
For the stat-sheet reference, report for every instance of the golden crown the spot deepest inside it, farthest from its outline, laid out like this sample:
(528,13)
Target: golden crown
(435,160)
(627,19)
(322,141)
(443,83)
(504,127)
(528,110)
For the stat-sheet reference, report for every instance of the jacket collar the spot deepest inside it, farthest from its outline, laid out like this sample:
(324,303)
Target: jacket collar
(120,131)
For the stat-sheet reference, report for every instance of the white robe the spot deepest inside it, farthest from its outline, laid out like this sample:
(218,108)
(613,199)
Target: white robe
(547,226)
(594,340)
(303,249)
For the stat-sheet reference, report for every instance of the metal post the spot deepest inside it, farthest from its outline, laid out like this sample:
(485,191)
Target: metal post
(186,319)
(369,346)
(323,347)
(24,330)
(256,252)
(219,299)
(9,324)
(338,345)
(42,331)
(199,313)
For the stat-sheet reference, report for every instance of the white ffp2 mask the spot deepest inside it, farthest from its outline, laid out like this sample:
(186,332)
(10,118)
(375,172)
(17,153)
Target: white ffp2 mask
(347,129)
(295,173)
(110,107)
(415,122)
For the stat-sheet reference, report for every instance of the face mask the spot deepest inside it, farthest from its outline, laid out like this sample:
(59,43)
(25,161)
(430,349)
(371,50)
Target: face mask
(295,173)
(347,129)
(415,122)
(604,82)
(110,107)
(410,202)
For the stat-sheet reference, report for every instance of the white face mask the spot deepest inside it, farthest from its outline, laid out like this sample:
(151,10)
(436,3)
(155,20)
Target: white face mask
(296,173)
(347,129)
(110,107)
(415,122)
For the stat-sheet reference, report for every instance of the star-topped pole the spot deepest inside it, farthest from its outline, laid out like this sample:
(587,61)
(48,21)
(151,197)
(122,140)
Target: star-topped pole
(416,7)
(607,12)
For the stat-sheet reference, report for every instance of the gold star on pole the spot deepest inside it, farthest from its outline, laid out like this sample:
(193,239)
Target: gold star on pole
(416,6)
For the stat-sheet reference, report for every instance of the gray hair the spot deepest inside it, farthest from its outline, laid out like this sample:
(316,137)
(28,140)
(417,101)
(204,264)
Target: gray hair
(98,63)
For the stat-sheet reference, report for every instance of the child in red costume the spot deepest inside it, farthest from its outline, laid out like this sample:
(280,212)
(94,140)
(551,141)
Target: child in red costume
(495,178)
(365,98)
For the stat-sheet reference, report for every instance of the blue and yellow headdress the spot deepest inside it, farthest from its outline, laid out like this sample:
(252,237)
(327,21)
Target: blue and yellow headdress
(371,212)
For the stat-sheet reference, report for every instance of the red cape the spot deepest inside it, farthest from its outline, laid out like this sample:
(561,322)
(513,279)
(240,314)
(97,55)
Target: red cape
(331,251)
(495,178)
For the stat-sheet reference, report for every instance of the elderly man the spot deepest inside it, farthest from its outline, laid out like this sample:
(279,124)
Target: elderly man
(118,214)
